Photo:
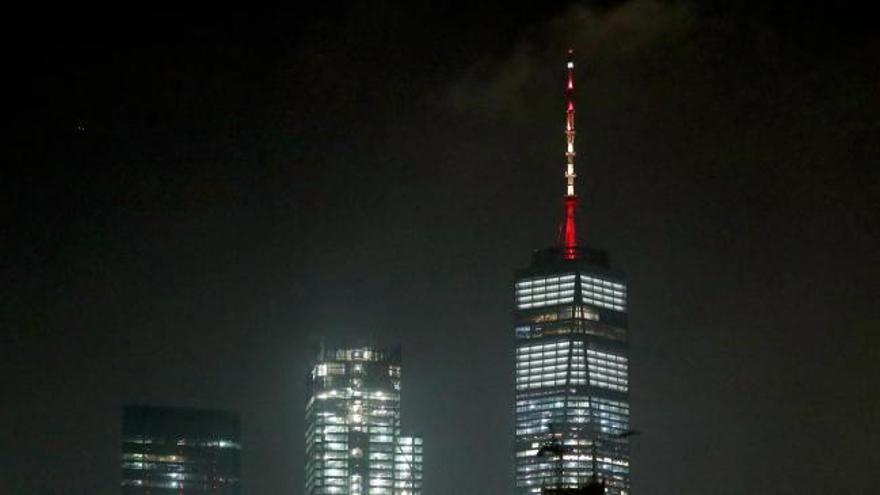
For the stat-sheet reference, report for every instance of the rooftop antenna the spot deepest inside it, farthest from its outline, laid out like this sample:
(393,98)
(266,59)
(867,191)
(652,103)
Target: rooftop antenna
(568,231)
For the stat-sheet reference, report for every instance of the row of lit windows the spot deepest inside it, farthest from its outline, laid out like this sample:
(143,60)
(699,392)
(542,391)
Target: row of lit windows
(606,356)
(332,411)
(410,441)
(330,437)
(550,383)
(569,277)
(546,365)
(542,418)
(611,405)
(331,476)
(182,442)
(577,445)
(338,479)
(600,381)
(409,480)
(550,291)
(376,416)
(328,369)
(600,282)
(610,383)
(541,288)
(199,486)
(540,404)
(532,355)
(550,376)
(548,358)
(169,458)
(560,358)
(582,462)
(543,423)
(539,373)
(545,360)
(331,429)
(526,333)
(394,470)
(376,456)
(554,292)
(547,346)
(549,366)
(555,371)
(577,462)
(324,369)
(603,293)
(363,354)
(538,348)
(575,473)
(610,297)
(545,291)
(347,393)
(172,471)
(548,302)
(607,370)
(534,415)
(603,304)
(345,421)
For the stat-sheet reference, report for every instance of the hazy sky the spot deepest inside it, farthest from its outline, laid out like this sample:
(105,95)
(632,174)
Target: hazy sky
(194,198)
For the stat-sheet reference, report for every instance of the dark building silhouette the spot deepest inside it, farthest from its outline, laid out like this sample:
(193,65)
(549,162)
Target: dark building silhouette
(180,451)
(592,488)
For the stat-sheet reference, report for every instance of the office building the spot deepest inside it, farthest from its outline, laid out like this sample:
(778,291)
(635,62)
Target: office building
(572,367)
(180,451)
(354,444)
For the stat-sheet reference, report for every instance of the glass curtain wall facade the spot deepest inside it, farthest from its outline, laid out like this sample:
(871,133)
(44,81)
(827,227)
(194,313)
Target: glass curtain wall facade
(354,444)
(571,373)
(180,451)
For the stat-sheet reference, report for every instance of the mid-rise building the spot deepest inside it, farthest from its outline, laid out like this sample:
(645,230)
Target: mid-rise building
(354,444)
(180,451)
(572,365)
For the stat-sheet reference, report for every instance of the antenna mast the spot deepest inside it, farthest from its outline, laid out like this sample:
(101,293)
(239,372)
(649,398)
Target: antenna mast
(568,232)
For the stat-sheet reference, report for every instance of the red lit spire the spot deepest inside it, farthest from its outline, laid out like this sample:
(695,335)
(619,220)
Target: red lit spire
(568,230)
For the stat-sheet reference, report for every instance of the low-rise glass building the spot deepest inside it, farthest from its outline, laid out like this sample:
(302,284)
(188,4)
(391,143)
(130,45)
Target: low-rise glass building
(180,451)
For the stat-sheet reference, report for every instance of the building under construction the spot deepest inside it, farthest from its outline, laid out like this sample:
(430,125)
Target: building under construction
(354,444)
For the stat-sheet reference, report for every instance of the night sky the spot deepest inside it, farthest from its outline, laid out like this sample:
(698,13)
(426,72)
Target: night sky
(192,199)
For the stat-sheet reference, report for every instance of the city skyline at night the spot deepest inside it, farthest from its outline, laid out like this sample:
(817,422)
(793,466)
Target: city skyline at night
(195,196)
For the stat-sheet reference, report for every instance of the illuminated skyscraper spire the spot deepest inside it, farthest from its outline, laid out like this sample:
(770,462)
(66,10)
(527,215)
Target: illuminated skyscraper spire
(568,230)
(571,374)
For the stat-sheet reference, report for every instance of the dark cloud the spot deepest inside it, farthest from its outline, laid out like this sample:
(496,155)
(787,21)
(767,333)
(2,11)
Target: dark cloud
(505,86)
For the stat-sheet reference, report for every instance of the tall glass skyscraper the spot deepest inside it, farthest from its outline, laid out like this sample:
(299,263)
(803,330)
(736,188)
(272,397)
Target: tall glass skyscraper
(571,372)
(572,406)
(354,444)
